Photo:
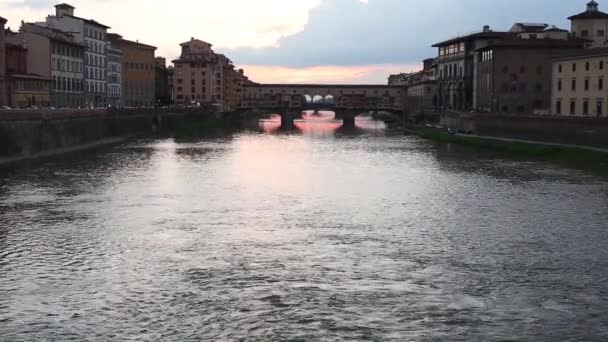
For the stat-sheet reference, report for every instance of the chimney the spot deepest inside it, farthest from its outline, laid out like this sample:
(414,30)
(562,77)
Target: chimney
(64,9)
(486,28)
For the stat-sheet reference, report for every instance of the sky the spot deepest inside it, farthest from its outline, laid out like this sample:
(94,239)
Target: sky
(306,41)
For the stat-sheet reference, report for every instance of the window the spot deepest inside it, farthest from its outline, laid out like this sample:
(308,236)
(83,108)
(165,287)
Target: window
(573,67)
(585,33)
(559,84)
(599,107)
(573,107)
(573,84)
(522,69)
(587,66)
(559,68)
(585,107)
(601,65)
(539,87)
(600,33)
(558,107)
(600,84)
(586,84)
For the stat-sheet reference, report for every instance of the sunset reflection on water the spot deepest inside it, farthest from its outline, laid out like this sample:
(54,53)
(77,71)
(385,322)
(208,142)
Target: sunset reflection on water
(322,123)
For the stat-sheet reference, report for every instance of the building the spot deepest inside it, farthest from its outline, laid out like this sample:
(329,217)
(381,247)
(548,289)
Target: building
(23,88)
(198,74)
(456,68)
(55,54)
(422,88)
(138,71)
(398,79)
(592,24)
(162,93)
(514,74)
(170,73)
(3,97)
(93,35)
(579,84)
(114,76)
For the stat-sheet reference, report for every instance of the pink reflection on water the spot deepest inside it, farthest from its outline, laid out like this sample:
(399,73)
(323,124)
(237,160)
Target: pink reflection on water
(271,125)
(369,124)
(321,123)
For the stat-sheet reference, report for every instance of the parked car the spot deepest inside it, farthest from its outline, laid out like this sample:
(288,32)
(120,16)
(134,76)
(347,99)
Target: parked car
(5,108)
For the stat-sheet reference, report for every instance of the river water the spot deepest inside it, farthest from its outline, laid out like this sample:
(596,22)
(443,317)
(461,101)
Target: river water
(302,237)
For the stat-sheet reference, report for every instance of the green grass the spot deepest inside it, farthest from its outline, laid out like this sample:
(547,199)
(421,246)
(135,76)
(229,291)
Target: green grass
(517,149)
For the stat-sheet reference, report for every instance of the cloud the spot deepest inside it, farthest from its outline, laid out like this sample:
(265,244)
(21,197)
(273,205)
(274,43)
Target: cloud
(355,32)
(226,23)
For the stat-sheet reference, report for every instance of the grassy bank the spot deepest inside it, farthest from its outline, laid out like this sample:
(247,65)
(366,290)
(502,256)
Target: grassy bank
(512,148)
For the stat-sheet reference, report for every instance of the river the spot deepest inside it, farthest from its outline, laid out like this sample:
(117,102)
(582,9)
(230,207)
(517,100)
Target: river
(302,237)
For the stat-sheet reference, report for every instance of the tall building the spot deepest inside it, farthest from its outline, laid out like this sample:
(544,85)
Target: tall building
(422,88)
(170,73)
(579,84)
(514,73)
(55,54)
(93,35)
(114,76)
(456,68)
(138,71)
(198,74)
(3,97)
(592,24)
(162,94)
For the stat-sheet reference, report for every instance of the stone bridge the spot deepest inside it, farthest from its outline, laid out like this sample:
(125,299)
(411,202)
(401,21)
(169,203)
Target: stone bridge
(346,100)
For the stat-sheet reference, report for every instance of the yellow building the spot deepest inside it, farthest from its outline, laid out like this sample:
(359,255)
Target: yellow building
(579,84)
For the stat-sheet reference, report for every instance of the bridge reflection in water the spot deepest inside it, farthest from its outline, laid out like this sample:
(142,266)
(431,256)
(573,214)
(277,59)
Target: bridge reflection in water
(321,123)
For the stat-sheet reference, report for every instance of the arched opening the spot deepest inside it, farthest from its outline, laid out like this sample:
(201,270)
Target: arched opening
(329,100)
(318,99)
(307,99)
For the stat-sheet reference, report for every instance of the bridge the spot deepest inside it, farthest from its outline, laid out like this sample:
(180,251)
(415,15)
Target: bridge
(347,101)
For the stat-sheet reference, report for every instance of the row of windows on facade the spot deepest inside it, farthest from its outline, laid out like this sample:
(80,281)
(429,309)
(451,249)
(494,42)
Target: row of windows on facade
(451,49)
(114,90)
(600,66)
(196,97)
(95,74)
(486,56)
(97,61)
(96,47)
(203,82)
(66,65)
(96,34)
(600,84)
(138,66)
(353,92)
(114,78)
(585,33)
(203,73)
(451,70)
(67,84)
(599,107)
(203,89)
(68,51)
(32,85)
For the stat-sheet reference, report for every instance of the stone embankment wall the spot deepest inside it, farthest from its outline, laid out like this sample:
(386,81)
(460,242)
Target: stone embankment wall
(584,131)
(29,134)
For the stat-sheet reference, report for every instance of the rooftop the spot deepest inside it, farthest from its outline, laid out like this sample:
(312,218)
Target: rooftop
(592,12)
(64,5)
(598,52)
(486,34)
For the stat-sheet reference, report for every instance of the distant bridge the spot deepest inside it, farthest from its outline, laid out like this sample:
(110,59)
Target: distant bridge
(346,100)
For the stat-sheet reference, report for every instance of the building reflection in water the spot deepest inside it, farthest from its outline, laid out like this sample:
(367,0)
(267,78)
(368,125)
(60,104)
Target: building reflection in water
(271,125)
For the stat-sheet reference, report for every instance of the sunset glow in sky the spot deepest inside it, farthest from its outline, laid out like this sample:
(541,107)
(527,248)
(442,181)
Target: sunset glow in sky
(305,41)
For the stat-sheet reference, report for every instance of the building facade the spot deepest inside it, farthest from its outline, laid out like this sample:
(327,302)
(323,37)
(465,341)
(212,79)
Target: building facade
(579,84)
(114,76)
(422,94)
(162,93)
(592,24)
(514,74)
(93,35)
(3,96)
(197,74)
(138,71)
(456,69)
(55,54)
(24,89)
(170,74)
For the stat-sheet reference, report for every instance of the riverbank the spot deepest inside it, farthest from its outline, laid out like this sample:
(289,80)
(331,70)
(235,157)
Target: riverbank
(597,157)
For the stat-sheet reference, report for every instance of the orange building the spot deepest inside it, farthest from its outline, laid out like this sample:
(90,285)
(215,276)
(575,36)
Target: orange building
(138,71)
